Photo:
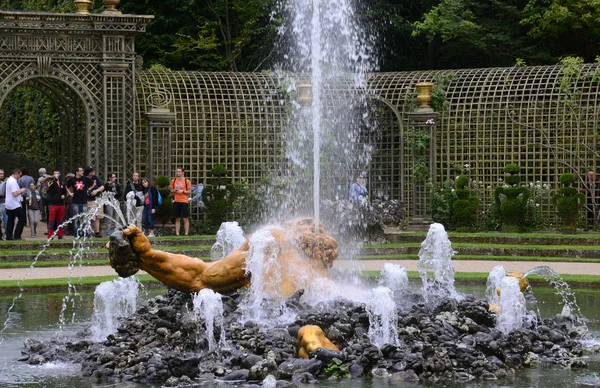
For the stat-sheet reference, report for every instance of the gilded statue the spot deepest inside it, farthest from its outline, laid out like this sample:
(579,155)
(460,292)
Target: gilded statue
(304,253)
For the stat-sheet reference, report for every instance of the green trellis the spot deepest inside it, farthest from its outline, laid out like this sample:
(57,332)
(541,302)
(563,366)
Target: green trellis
(495,116)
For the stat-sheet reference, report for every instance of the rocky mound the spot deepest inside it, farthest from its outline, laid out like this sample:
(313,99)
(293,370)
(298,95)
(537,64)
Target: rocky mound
(162,343)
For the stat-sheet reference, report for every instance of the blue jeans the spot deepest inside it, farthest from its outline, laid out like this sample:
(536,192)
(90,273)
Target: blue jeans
(79,227)
(148,217)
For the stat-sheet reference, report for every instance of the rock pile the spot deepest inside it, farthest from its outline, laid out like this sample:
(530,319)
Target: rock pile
(456,340)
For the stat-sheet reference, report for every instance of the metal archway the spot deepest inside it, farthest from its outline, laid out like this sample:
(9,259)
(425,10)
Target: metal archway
(92,56)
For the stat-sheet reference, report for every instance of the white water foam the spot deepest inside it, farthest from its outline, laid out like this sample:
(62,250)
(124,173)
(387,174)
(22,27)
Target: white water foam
(208,305)
(230,236)
(112,300)
(435,265)
(383,320)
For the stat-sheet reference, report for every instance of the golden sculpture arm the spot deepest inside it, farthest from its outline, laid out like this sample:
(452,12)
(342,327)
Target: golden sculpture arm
(303,255)
(185,273)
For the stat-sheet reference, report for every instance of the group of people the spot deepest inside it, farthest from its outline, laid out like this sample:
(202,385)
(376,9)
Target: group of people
(51,198)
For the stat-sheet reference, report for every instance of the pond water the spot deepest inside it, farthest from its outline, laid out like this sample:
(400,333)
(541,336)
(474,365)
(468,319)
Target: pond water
(38,316)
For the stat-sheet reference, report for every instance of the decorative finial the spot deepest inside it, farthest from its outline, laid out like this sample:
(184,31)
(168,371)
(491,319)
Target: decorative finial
(111,7)
(83,6)
(424,96)
(304,94)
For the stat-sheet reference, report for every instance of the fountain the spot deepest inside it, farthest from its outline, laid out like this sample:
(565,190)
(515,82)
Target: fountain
(435,265)
(208,306)
(112,300)
(382,317)
(229,236)
(268,308)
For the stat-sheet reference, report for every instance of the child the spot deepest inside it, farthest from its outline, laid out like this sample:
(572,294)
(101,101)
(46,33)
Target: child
(34,202)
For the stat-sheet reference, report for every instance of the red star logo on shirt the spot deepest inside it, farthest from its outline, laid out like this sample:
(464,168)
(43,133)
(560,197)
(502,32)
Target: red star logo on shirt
(79,185)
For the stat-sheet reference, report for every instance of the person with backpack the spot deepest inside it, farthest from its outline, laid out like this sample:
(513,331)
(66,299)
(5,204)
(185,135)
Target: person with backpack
(181,189)
(135,187)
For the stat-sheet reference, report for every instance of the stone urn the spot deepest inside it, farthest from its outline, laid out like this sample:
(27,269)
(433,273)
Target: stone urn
(83,6)
(304,94)
(424,96)
(111,6)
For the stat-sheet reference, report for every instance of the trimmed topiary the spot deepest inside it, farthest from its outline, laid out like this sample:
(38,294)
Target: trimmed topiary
(567,178)
(216,196)
(464,208)
(161,181)
(568,202)
(512,169)
(511,201)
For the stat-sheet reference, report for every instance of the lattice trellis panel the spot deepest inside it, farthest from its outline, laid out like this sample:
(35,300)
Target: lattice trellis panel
(507,115)
(91,57)
(495,116)
(230,118)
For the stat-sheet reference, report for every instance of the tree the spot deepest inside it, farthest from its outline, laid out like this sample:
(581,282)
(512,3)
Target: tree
(573,24)
(234,35)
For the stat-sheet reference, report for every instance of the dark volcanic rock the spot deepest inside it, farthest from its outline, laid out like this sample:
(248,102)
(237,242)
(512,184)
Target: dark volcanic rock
(455,340)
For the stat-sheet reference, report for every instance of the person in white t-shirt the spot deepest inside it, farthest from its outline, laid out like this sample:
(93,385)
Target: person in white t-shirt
(14,196)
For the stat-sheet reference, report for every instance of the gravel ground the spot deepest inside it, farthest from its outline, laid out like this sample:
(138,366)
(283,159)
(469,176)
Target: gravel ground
(365,265)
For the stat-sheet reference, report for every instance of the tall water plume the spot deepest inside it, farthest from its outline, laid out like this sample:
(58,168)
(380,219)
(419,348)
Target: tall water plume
(435,265)
(511,306)
(322,45)
(230,236)
(263,302)
(383,320)
(112,300)
(208,306)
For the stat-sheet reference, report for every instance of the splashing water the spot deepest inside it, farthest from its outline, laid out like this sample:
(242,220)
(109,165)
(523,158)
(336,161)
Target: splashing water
(493,283)
(511,306)
(263,301)
(394,277)
(269,382)
(208,305)
(76,255)
(435,265)
(562,289)
(383,322)
(325,46)
(112,300)
(229,237)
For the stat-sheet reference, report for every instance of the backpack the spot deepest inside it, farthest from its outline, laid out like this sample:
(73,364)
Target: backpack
(3,189)
(139,196)
(188,186)
(159,198)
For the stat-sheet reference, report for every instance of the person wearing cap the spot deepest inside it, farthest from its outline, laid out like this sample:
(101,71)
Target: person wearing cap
(96,187)
(41,184)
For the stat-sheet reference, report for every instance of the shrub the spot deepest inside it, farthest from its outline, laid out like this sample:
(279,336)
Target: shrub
(161,181)
(568,201)
(442,201)
(464,208)
(165,211)
(511,200)
(216,196)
